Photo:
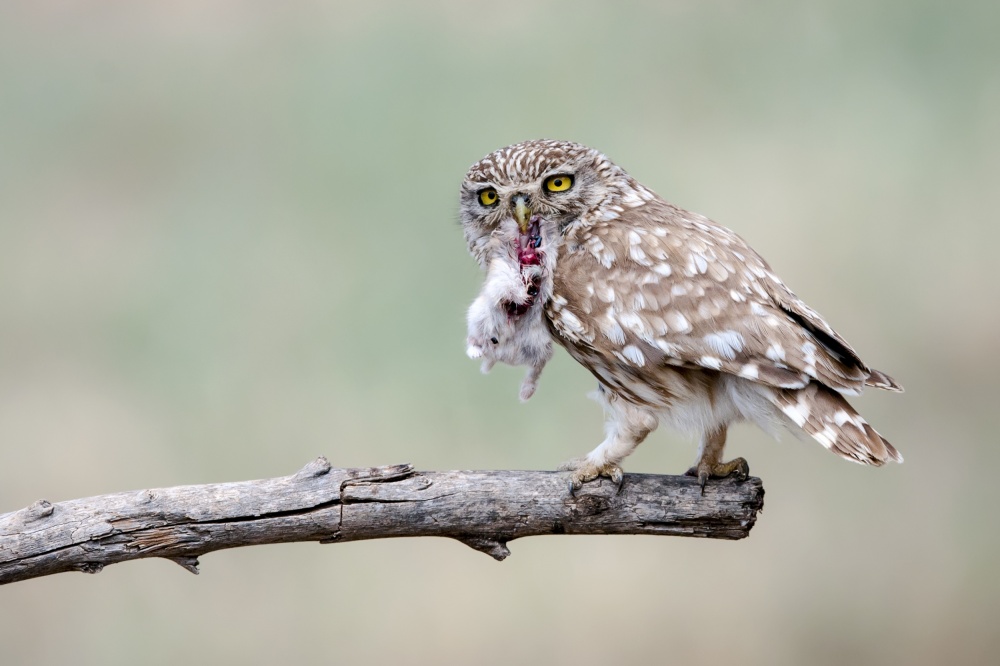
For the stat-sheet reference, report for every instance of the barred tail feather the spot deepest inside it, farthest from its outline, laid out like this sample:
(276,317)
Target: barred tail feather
(827,416)
(879,379)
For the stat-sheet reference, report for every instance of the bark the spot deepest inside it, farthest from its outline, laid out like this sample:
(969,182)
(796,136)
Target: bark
(484,510)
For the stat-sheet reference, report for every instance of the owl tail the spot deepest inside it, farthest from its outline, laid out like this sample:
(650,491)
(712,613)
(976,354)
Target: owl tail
(827,416)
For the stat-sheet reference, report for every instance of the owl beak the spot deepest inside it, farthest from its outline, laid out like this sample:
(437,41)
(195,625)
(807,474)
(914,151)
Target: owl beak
(521,212)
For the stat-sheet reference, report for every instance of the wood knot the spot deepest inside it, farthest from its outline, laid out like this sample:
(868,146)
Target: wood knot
(315,468)
(36,511)
(588,505)
(494,547)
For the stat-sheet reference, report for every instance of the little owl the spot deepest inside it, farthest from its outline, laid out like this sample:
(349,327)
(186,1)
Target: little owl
(676,316)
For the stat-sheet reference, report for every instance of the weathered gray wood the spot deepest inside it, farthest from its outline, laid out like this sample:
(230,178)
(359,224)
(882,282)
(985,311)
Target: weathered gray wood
(484,510)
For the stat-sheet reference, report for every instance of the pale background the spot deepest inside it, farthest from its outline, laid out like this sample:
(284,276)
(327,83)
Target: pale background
(229,244)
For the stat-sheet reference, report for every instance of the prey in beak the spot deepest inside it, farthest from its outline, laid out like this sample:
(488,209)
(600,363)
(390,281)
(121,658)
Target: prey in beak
(530,239)
(529,254)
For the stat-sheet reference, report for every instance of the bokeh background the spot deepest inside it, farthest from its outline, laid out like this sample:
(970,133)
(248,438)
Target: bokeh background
(229,244)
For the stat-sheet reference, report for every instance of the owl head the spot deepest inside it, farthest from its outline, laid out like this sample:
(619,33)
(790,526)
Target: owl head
(555,182)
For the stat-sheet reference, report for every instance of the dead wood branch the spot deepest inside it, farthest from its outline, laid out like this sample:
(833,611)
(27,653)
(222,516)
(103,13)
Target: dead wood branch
(484,510)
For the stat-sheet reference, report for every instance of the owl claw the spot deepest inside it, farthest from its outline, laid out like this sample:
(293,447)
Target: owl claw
(584,471)
(704,471)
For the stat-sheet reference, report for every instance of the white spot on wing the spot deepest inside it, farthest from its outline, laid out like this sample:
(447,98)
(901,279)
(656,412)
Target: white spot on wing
(571,321)
(718,271)
(697,263)
(634,323)
(632,353)
(668,348)
(710,362)
(650,278)
(638,256)
(605,293)
(809,356)
(726,344)
(659,326)
(613,331)
(678,322)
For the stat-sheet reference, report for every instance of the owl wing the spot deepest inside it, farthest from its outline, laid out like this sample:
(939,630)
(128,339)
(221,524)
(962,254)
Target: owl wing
(662,286)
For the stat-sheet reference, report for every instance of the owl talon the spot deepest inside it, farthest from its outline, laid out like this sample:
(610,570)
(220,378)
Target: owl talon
(702,480)
(617,475)
(584,471)
(704,471)
(740,468)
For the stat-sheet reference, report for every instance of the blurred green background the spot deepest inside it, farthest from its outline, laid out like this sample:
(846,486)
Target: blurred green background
(229,244)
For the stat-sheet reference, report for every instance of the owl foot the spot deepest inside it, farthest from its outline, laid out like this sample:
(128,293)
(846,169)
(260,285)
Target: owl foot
(705,470)
(584,470)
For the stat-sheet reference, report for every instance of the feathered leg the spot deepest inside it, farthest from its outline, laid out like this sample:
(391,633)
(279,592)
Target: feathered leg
(626,427)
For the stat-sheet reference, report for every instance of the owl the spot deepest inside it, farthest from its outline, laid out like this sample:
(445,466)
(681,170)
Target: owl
(677,318)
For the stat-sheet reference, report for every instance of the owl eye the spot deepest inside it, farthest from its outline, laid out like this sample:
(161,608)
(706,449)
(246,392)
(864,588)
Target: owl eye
(488,197)
(558,183)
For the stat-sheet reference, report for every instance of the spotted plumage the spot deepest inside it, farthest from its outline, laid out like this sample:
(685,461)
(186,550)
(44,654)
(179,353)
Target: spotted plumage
(676,316)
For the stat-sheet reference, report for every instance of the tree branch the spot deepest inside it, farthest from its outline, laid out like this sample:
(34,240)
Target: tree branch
(484,510)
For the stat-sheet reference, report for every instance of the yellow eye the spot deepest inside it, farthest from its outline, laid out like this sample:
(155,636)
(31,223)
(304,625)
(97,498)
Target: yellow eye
(559,183)
(488,197)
